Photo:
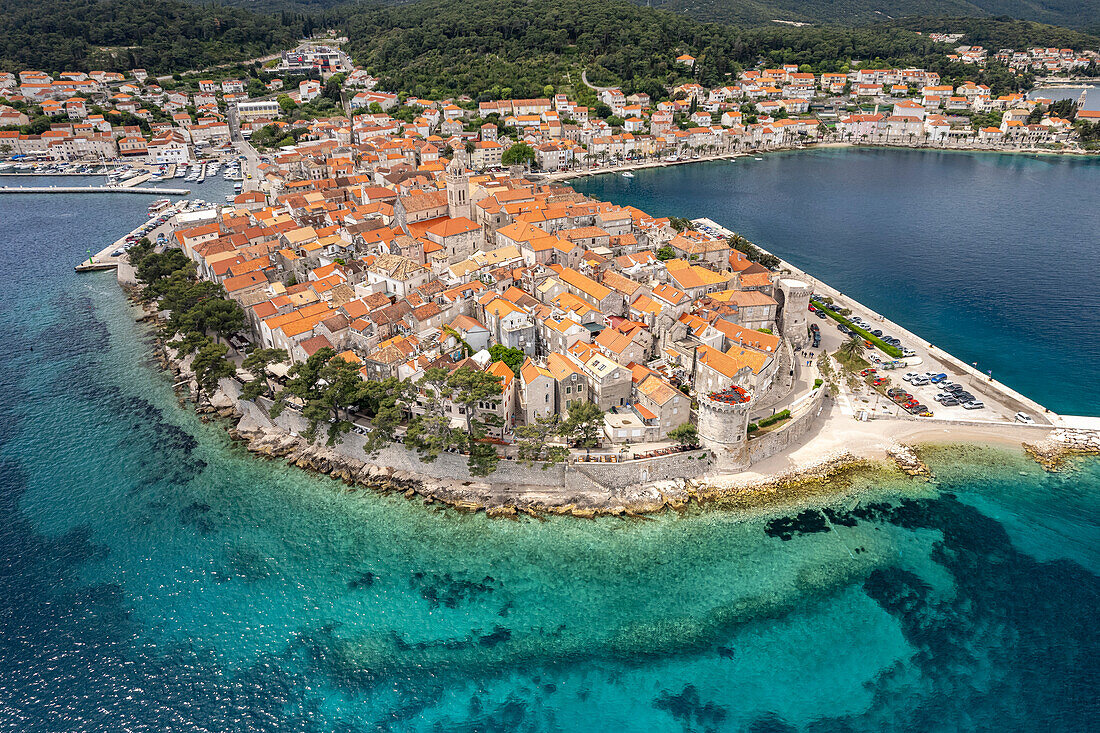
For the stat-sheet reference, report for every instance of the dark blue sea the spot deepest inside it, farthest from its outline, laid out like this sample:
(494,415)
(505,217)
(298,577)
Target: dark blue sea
(153,577)
(993,257)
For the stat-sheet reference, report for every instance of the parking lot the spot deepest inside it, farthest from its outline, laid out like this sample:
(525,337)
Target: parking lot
(997,406)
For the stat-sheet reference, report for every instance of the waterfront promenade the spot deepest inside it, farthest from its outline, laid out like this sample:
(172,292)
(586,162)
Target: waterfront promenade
(930,358)
(95,189)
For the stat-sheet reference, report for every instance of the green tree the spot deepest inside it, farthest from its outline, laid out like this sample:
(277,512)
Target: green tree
(511,356)
(852,347)
(534,440)
(286,104)
(430,434)
(470,387)
(666,253)
(220,315)
(257,362)
(687,435)
(518,154)
(584,424)
(210,365)
(328,387)
(384,402)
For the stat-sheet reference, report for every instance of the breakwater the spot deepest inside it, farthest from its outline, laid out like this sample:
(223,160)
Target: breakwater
(94,189)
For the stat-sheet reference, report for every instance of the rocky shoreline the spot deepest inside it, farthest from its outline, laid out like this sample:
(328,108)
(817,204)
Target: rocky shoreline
(512,501)
(1063,443)
(499,500)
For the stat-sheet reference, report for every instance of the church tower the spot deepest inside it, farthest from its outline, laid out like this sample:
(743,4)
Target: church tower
(458,187)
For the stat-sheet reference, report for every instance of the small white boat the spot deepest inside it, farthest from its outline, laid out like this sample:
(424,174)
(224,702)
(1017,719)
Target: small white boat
(628,174)
(758,159)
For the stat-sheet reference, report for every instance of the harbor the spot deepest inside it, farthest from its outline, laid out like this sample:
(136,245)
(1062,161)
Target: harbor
(158,229)
(95,189)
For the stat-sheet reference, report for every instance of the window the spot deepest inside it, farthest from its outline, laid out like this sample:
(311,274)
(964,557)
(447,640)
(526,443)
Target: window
(569,390)
(546,397)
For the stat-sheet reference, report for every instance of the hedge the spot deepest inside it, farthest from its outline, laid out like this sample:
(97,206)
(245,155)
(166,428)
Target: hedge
(782,415)
(886,348)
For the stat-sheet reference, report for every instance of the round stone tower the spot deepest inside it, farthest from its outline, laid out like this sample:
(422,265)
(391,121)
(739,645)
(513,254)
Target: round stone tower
(723,419)
(794,301)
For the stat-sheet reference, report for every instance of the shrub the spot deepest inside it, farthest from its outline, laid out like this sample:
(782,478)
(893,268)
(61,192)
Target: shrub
(783,415)
(886,348)
(818,383)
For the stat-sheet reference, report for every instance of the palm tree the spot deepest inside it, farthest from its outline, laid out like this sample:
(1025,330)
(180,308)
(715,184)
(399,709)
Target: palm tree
(852,347)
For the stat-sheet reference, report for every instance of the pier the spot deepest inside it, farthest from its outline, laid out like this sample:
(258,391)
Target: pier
(637,166)
(105,258)
(95,189)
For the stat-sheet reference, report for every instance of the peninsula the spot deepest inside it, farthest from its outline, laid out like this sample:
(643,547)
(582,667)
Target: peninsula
(403,292)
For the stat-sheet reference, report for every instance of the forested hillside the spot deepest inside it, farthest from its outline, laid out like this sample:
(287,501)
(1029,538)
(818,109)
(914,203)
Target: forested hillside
(159,35)
(486,48)
(495,48)
(1082,14)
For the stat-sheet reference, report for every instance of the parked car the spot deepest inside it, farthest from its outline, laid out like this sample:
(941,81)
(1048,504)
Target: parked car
(1024,418)
(918,381)
(974,405)
(877,333)
(866,372)
(949,402)
(937,378)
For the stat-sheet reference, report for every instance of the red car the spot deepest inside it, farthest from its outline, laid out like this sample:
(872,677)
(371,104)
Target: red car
(868,372)
(879,381)
(812,309)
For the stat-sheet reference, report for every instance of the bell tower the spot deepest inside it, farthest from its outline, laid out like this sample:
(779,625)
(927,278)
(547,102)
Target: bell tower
(458,187)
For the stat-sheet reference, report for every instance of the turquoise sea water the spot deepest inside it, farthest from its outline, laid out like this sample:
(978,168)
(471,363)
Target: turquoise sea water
(154,577)
(993,257)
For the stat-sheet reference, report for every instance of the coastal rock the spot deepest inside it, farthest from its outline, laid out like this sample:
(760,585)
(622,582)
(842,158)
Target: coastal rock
(908,461)
(1062,443)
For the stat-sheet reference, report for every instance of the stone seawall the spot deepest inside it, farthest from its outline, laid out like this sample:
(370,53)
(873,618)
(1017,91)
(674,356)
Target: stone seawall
(775,442)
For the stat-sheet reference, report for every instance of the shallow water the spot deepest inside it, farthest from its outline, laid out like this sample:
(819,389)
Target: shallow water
(156,578)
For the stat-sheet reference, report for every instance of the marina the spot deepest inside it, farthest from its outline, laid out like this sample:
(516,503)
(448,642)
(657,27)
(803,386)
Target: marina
(93,189)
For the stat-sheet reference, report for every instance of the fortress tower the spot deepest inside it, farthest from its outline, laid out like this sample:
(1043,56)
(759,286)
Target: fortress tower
(794,301)
(723,419)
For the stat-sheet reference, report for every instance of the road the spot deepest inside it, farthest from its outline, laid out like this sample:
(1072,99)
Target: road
(584,78)
(245,62)
(251,166)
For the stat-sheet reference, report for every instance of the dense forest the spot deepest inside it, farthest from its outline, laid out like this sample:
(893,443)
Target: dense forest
(490,48)
(117,35)
(997,33)
(1082,14)
(497,48)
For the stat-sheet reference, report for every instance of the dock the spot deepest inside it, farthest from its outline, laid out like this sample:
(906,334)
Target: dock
(105,260)
(95,189)
(568,175)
